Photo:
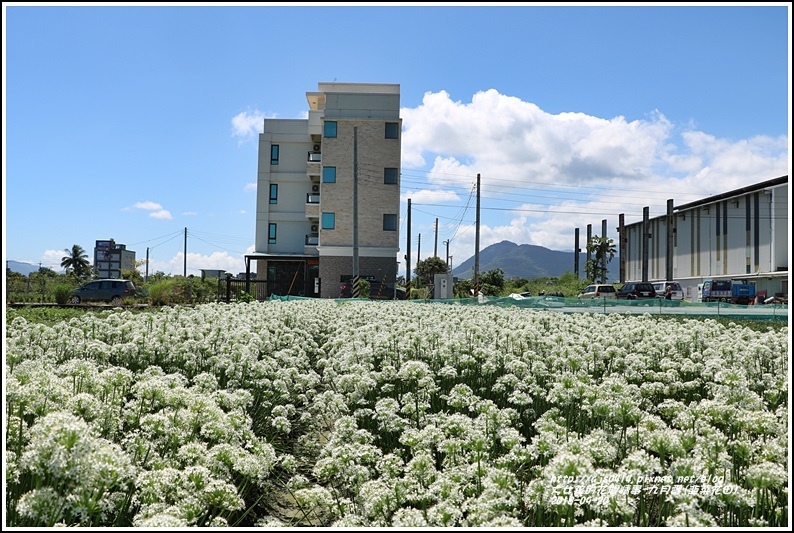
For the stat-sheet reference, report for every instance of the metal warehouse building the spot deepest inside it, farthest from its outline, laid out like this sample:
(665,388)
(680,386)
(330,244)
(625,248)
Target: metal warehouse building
(741,235)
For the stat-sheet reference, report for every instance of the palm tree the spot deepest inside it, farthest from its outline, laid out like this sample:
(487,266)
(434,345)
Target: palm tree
(76,261)
(604,250)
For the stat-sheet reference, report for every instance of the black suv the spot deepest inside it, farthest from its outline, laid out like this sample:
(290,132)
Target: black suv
(103,290)
(636,291)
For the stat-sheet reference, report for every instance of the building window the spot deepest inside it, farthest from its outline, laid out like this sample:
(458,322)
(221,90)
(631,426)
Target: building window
(329,220)
(392,130)
(273,193)
(390,176)
(389,222)
(329,128)
(271,233)
(274,154)
(329,174)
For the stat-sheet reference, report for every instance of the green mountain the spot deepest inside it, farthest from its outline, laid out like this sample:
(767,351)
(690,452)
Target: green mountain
(22,268)
(528,261)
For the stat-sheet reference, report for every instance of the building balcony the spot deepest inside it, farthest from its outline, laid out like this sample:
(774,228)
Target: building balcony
(311,243)
(313,208)
(313,170)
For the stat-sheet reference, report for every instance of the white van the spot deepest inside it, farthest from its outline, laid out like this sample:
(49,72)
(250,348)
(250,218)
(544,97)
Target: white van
(660,287)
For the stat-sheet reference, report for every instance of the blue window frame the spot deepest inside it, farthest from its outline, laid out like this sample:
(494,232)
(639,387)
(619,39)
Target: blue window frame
(392,130)
(329,174)
(390,176)
(274,154)
(329,128)
(273,193)
(329,220)
(389,222)
(271,233)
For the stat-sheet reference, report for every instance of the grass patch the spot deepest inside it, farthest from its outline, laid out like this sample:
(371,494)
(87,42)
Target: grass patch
(53,315)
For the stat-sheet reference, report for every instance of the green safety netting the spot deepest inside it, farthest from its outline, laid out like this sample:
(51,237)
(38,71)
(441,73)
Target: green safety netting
(600,305)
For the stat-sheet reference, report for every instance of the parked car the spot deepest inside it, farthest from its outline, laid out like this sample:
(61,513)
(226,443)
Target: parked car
(103,290)
(661,286)
(376,292)
(636,290)
(597,291)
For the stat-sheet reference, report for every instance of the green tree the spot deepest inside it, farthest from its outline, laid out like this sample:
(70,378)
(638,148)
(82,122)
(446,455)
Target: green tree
(427,269)
(48,272)
(603,250)
(134,275)
(492,282)
(76,261)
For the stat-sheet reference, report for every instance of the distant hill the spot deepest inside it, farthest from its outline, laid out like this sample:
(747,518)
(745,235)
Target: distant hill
(528,261)
(23,268)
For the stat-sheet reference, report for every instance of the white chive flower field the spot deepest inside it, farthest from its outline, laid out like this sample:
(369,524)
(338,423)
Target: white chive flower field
(390,414)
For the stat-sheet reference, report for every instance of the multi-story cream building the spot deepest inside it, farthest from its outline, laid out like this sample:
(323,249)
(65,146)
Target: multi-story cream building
(741,235)
(110,258)
(328,192)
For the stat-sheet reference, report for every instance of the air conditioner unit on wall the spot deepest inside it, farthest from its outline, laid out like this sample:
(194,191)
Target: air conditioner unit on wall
(314,227)
(315,188)
(316,147)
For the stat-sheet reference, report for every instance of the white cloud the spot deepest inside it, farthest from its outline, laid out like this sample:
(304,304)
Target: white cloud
(52,259)
(426,196)
(505,138)
(149,206)
(247,124)
(161,215)
(250,187)
(156,209)
(543,175)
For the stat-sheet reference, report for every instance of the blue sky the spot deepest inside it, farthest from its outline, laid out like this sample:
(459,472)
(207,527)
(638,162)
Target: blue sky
(134,122)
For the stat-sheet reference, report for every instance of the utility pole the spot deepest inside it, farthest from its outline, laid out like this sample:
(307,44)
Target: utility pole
(668,256)
(146,277)
(435,244)
(646,237)
(185,267)
(447,243)
(622,246)
(408,255)
(418,248)
(356,288)
(477,243)
(576,251)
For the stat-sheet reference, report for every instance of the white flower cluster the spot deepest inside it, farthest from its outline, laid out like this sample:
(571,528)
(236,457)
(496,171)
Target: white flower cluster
(393,414)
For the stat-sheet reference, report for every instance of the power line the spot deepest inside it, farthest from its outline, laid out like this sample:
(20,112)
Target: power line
(232,241)
(171,235)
